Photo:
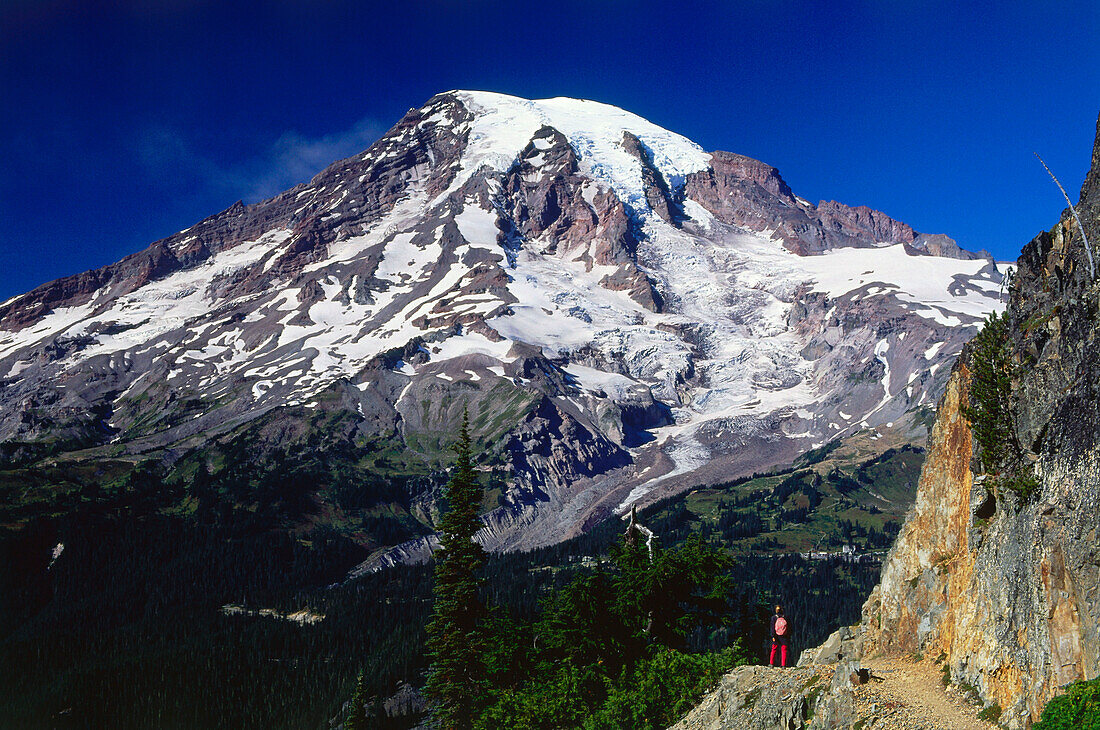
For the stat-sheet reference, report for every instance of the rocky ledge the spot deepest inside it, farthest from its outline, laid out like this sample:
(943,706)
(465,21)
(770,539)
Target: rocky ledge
(762,698)
(833,687)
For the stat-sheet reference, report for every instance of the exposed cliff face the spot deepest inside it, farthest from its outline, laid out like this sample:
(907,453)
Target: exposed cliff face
(745,192)
(1008,588)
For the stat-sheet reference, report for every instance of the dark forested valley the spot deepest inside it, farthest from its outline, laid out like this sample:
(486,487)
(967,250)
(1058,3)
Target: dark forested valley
(119,609)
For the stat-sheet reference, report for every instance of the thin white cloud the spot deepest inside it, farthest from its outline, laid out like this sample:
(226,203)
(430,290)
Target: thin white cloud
(293,158)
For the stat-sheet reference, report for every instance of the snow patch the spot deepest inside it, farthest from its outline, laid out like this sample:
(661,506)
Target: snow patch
(478,226)
(920,280)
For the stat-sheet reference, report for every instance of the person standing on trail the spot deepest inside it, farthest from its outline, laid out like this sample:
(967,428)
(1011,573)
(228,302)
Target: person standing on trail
(780,631)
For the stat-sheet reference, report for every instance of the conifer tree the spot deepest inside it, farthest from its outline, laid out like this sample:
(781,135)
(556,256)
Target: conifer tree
(991,393)
(357,715)
(454,644)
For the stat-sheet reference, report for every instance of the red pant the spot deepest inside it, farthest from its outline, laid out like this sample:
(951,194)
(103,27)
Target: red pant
(782,654)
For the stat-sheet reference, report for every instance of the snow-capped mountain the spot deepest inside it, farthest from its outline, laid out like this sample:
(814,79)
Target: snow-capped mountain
(623,313)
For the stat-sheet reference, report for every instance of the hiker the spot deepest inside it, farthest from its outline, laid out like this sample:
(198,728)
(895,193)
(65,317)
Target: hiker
(780,631)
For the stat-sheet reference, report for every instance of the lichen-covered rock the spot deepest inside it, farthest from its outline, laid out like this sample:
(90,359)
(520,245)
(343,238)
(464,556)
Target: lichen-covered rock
(768,698)
(842,644)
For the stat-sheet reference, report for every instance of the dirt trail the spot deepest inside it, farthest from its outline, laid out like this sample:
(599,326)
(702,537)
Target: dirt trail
(911,696)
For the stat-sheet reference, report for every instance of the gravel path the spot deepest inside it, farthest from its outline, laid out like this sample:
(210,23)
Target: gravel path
(911,696)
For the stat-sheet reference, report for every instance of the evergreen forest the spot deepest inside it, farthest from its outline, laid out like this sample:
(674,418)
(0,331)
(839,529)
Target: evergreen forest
(117,609)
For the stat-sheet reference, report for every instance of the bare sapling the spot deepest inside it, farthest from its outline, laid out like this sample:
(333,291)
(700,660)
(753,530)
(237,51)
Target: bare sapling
(1088,249)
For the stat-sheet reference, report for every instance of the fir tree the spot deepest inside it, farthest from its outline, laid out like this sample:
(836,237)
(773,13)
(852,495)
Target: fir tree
(357,715)
(991,392)
(454,646)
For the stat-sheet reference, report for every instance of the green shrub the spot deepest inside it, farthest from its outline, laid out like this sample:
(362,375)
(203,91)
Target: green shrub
(552,703)
(990,410)
(661,689)
(1077,709)
(990,391)
(610,645)
(811,701)
(1023,483)
(991,713)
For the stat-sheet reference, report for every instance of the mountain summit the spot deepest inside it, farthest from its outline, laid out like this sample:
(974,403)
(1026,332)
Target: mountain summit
(623,313)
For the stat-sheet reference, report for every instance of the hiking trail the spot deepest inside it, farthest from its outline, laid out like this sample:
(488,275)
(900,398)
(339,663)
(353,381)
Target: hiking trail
(906,694)
(901,694)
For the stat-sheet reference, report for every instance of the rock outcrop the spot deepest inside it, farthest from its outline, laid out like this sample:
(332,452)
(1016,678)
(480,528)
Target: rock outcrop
(848,693)
(1003,584)
(764,698)
(749,193)
(843,644)
(817,694)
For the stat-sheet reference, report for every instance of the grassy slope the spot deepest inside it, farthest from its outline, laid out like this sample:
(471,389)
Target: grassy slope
(852,495)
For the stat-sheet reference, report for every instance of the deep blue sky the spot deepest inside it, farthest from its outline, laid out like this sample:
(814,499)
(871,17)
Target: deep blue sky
(123,122)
